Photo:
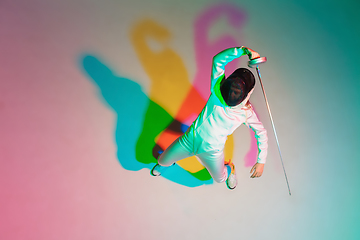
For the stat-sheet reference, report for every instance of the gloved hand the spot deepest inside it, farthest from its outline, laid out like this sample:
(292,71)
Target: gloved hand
(251,53)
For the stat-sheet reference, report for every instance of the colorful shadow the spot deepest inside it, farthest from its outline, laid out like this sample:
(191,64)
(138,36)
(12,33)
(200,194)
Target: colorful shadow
(130,103)
(150,124)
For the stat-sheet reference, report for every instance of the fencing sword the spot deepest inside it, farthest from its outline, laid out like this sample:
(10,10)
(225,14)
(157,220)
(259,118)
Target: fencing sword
(256,62)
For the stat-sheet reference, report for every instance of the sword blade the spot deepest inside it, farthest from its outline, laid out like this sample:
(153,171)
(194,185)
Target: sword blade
(273,126)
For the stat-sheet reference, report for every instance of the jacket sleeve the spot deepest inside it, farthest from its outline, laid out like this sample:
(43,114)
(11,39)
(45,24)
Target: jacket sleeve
(260,134)
(220,60)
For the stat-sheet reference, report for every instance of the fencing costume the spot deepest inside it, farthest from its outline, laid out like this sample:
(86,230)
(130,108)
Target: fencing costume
(224,111)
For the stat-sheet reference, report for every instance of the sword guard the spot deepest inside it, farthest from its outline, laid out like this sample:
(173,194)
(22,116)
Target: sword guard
(257,61)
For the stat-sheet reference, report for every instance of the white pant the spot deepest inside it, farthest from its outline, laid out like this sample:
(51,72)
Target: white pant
(182,148)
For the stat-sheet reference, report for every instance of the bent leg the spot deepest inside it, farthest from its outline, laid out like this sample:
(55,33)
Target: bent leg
(175,152)
(214,163)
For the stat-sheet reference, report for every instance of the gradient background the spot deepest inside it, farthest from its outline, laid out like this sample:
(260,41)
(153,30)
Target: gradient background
(75,86)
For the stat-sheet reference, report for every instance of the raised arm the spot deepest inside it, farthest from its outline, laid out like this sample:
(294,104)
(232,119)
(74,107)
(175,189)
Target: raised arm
(222,58)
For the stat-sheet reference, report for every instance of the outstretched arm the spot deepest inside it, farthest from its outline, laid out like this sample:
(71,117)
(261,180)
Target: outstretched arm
(222,58)
(261,137)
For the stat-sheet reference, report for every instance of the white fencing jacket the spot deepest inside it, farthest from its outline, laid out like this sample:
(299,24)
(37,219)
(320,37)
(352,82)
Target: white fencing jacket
(218,120)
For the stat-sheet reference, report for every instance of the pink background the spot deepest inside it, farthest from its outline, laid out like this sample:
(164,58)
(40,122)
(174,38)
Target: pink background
(61,173)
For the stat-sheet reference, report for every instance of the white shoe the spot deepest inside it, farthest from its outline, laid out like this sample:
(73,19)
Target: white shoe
(231,181)
(157,169)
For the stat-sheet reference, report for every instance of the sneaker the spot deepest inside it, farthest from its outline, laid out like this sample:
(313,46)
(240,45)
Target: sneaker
(157,169)
(231,181)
